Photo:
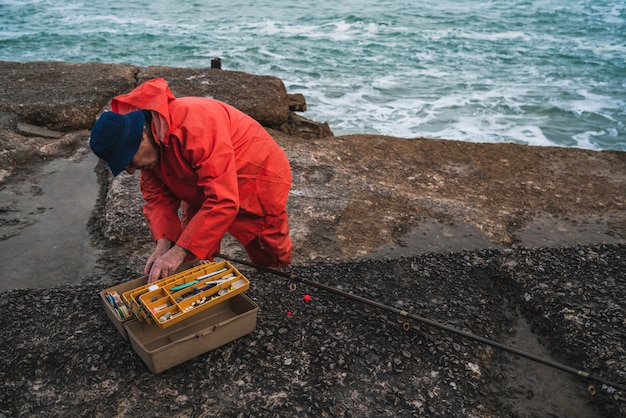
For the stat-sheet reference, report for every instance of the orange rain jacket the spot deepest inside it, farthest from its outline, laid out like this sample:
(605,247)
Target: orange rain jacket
(219,162)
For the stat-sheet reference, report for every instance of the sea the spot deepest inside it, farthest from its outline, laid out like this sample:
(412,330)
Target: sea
(536,72)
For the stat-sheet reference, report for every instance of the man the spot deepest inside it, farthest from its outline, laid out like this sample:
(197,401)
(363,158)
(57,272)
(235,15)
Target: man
(225,170)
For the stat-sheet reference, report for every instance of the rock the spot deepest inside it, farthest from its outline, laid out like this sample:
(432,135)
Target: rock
(31,130)
(262,97)
(302,127)
(297,102)
(61,96)
(8,121)
(69,96)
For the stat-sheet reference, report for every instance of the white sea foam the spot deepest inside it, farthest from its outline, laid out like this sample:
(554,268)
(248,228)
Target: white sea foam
(496,36)
(492,129)
(592,103)
(588,140)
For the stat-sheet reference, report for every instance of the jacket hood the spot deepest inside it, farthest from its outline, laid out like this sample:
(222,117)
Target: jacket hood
(153,95)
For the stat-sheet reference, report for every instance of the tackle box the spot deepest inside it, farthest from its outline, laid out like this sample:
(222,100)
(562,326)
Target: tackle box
(224,314)
(161,349)
(171,300)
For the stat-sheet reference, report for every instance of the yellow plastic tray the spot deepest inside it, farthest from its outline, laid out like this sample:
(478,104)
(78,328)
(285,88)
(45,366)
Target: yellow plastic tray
(177,297)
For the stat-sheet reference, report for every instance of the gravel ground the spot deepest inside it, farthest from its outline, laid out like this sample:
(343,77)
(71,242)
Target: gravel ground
(337,357)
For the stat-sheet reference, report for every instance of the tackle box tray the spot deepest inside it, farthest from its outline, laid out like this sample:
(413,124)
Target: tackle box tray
(161,349)
(114,306)
(116,316)
(175,298)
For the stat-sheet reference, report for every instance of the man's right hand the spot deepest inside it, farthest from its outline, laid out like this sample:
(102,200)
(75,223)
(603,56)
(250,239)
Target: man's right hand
(167,264)
(162,246)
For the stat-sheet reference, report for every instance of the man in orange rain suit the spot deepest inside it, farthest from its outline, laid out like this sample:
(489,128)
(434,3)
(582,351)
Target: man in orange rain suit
(225,170)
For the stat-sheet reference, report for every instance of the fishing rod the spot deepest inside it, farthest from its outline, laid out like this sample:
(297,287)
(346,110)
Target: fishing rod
(430,322)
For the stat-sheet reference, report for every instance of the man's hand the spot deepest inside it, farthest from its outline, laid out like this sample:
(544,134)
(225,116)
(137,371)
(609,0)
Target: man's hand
(162,246)
(164,260)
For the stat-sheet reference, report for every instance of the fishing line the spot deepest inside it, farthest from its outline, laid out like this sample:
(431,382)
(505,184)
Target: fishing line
(430,322)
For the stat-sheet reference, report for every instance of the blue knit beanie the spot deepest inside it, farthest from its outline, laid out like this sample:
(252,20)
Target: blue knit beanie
(115,138)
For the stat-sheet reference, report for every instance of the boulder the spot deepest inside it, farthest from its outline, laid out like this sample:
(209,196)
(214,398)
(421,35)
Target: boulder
(65,96)
(262,97)
(61,96)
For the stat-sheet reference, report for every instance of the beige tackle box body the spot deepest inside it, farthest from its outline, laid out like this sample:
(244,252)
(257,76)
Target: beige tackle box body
(161,349)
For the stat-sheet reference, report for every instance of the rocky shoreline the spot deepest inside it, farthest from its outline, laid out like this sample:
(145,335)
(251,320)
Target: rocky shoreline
(522,245)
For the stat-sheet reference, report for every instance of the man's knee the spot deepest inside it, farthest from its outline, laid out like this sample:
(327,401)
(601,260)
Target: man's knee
(270,250)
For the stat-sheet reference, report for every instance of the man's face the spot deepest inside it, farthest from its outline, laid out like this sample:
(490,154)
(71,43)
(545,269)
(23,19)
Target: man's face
(147,155)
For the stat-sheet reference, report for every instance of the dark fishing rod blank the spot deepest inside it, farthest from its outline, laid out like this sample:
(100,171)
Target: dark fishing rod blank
(432,323)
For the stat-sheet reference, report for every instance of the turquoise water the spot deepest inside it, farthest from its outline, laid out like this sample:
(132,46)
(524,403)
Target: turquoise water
(544,72)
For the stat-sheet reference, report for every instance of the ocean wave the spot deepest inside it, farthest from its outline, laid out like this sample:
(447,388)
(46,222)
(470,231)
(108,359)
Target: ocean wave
(548,73)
